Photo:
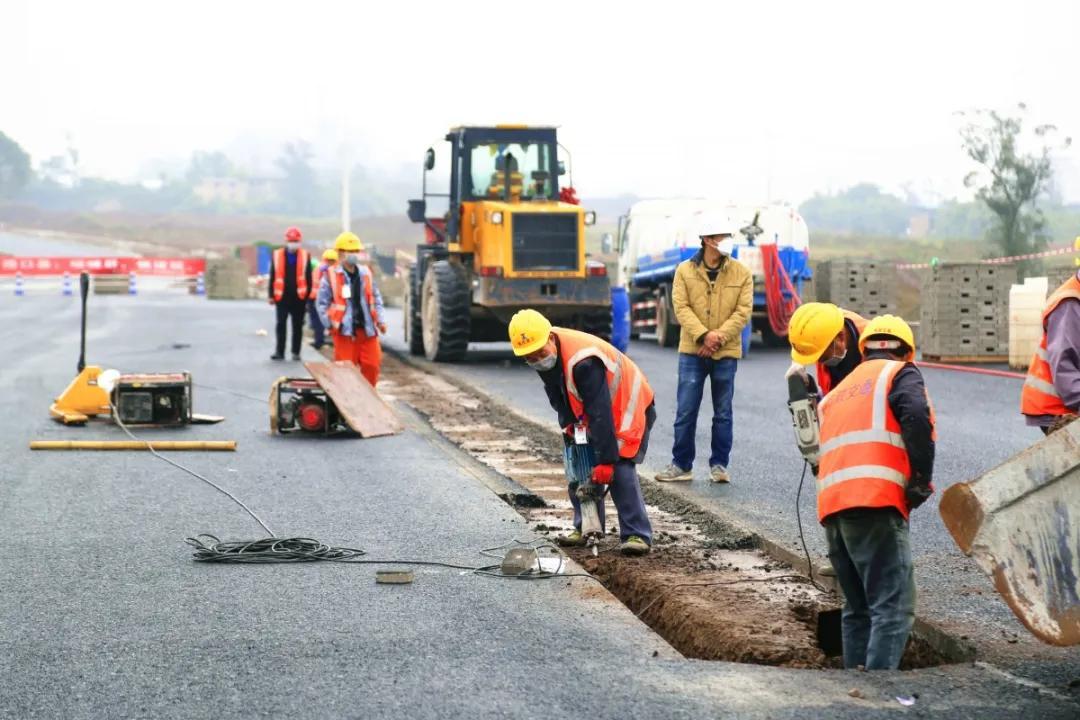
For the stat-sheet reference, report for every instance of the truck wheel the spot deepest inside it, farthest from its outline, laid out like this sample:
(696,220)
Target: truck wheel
(599,324)
(414,336)
(667,330)
(445,302)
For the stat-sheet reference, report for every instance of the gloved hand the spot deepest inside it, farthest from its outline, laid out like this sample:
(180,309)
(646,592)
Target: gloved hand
(590,491)
(602,474)
(916,495)
(1061,422)
(796,368)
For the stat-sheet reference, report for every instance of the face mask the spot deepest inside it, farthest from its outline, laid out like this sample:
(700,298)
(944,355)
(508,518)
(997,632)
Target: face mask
(833,361)
(292,247)
(545,364)
(352,258)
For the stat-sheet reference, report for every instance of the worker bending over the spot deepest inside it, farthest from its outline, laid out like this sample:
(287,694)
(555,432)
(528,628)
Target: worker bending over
(877,441)
(1051,395)
(602,398)
(290,287)
(825,335)
(352,307)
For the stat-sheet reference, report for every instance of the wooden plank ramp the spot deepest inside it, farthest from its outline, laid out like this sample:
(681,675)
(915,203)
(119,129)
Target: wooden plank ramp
(357,401)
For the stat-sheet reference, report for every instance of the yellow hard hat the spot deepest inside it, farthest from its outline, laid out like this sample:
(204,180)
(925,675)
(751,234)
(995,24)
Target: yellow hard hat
(529,331)
(348,242)
(812,328)
(330,255)
(891,326)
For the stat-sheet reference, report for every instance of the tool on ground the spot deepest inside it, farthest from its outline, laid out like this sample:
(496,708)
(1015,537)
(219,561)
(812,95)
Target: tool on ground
(396,576)
(1021,524)
(133,445)
(802,402)
(579,461)
(520,560)
(336,398)
(146,399)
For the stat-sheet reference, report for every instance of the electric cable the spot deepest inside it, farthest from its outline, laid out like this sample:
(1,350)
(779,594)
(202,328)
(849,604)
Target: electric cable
(229,392)
(802,538)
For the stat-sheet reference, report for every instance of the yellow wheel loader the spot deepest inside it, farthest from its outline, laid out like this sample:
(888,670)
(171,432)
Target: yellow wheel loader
(509,240)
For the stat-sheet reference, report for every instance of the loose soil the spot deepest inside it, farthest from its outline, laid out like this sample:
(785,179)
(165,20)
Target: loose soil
(701,588)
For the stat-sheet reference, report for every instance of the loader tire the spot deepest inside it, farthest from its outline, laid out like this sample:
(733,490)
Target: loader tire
(599,324)
(414,334)
(445,299)
(667,327)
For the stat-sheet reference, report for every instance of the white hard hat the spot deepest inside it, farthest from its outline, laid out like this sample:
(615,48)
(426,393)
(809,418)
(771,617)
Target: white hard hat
(716,225)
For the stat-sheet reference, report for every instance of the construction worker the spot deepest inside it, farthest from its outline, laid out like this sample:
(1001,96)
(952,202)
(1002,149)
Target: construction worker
(1051,395)
(828,336)
(318,330)
(713,296)
(290,287)
(352,307)
(603,399)
(877,440)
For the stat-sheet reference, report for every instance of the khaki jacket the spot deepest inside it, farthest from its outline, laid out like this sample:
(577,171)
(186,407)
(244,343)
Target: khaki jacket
(701,306)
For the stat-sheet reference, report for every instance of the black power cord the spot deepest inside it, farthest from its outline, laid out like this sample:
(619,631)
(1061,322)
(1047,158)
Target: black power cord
(802,538)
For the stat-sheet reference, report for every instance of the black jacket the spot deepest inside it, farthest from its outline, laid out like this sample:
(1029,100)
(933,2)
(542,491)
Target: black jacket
(590,376)
(289,296)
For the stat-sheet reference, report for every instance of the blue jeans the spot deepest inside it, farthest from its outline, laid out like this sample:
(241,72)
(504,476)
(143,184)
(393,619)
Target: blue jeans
(317,328)
(871,553)
(692,374)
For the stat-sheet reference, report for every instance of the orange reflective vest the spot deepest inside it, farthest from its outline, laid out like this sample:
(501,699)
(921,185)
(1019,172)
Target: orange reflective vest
(302,262)
(631,394)
(824,380)
(1039,396)
(864,463)
(339,304)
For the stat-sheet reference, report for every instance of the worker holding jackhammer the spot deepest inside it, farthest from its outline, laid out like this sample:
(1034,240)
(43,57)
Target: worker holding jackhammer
(877,459)
(828,336)
(352,307)
(1050,398)
(603,400)
(290,287)
(318,330)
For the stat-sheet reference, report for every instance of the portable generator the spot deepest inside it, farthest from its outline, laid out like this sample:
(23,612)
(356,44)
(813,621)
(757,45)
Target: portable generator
(301,404)
(153,399)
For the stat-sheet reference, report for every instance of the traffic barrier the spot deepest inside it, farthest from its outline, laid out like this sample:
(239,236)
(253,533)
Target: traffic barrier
(19,292)
(200,285)
(131,283)
(66,288)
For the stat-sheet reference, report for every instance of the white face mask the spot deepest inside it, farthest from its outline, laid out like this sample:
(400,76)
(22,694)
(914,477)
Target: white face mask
(292,246)
(352,258)
(544,364)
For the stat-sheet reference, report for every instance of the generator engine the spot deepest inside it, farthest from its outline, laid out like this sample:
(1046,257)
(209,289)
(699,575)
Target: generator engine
(301,404)
(153,399)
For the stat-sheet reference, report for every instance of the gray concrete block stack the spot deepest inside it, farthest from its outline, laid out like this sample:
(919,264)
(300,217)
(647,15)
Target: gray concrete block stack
(867,287)
(226,279)
(965,311)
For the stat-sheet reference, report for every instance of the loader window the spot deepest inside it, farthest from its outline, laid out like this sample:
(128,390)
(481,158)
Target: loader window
(529,165)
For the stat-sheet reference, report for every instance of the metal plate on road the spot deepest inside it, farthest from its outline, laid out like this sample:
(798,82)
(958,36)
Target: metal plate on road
(355,398)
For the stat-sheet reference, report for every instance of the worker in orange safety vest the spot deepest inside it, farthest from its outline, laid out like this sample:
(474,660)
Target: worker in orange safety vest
(827,336)
(290,287)
(877,457)
(1051,395)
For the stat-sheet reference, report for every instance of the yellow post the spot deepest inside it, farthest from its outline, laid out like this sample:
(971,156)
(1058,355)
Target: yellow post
(133,445)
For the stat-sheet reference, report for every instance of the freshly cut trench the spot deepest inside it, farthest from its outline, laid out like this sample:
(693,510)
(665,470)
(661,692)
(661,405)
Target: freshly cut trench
(703,593)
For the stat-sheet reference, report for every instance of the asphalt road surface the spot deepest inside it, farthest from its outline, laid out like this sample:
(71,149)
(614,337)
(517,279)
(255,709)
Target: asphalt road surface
(103,614)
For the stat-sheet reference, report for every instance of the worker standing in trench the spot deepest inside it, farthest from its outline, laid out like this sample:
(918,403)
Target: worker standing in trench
(877,442)
(352,307)
(604,400)
(828,336)
(1050,398)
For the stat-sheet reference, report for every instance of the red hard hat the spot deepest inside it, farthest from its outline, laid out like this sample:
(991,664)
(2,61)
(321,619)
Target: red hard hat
(293,233)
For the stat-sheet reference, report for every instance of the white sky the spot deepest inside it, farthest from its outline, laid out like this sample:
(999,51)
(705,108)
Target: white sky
(737,100)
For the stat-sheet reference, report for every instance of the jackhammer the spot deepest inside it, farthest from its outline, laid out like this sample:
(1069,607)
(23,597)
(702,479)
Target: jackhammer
(580,459)
(802,403)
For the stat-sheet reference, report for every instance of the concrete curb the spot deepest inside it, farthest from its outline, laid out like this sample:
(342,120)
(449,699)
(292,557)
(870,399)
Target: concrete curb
(950,647)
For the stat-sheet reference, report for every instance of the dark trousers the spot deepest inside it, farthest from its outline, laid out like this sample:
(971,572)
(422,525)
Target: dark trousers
(870,551)
(693,372)
(317,329)
(287,309)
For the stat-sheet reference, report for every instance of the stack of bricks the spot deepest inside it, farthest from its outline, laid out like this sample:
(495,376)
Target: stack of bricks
(867,287)
(227,279)
(965,312)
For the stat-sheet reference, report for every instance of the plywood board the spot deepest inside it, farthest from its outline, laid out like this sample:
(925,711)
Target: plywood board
(358,402)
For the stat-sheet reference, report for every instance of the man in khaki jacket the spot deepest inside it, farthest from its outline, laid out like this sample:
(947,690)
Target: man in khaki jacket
(713,296)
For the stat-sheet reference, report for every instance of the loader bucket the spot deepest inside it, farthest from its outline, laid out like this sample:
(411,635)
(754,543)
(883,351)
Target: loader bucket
(1021,524)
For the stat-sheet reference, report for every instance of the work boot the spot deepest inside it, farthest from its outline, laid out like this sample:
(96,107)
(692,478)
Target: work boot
(277,356)
(634,546)
(574,539)
(718,474)
(296,357)
(674,473)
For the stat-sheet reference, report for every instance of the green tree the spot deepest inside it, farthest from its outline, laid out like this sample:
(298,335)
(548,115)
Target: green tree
(208,164)
(14,167)
(1010,178)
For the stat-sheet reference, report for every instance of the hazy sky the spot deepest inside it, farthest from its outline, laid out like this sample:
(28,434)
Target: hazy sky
(738,100)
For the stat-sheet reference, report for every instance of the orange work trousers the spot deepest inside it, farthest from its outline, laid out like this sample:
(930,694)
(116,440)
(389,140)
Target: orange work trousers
(361,350)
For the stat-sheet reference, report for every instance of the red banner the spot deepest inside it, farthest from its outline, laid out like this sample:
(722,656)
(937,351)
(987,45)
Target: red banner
(178,267)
